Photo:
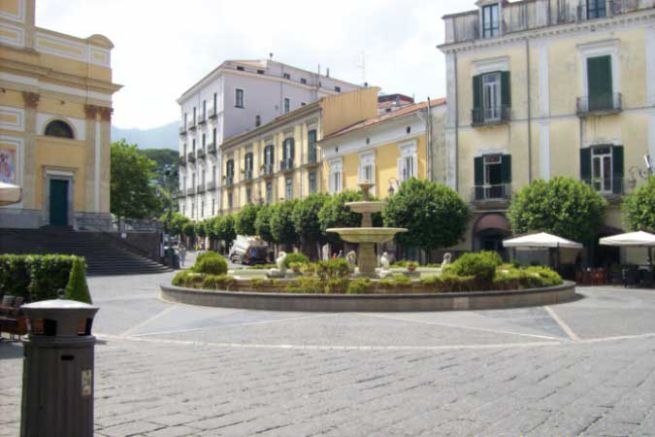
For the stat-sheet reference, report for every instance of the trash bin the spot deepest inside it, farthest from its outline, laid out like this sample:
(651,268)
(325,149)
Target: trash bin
(58,369)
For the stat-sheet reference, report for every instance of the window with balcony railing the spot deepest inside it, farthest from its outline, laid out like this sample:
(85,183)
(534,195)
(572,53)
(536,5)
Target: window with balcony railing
(491,98)
(602,168)
(288,152)
(269,155)
(248,163)
(312,157)
(601,96)
(493,177)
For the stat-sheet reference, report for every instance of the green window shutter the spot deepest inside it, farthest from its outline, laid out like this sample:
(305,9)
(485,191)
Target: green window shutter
(585,165)
(292,147)
(617,169)
(477,92)
(506,169)
(506,89)
(599,82)
(479,170)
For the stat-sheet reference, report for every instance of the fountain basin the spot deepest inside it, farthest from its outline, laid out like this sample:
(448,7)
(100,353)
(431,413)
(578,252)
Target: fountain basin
(366,207)
(367,235)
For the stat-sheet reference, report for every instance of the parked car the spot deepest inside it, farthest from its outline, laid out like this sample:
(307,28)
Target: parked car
(241,251)
(255,255)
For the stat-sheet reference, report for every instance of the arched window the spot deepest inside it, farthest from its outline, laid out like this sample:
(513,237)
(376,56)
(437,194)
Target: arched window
(59,129)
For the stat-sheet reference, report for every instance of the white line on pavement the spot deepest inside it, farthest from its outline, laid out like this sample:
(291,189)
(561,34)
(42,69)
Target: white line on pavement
(145,322)
(562,324)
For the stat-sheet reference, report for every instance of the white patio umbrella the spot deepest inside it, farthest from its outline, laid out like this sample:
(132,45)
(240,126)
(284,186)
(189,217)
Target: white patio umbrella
(632,239)
(541,240)
(9,194)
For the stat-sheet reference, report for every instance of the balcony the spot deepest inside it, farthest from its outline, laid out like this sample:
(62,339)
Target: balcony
(203,120)
(599,105)
(268,170)
(182,131)
(229,181)
(312,157)
(490,116)
(201,188)
(491,196)
(190,191)
(248,175)
(201,155)
(213,114)
(211,149)
(182,161)
(193,127)
(534,14)
(191,158)
(611,186)
(211,186)
(286,165)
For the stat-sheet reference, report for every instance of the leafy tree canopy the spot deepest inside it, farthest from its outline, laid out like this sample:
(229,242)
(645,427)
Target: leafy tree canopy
(166,167)
(434,214)
(639,207)
(133,195)
(263,223)
(245,220)
(562,206)
(282,227)
(305,217)
(224,228)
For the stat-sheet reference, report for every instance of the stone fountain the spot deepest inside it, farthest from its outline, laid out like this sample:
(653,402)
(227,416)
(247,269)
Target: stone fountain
(367,236)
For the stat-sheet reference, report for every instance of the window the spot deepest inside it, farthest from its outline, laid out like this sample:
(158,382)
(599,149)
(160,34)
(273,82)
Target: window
(408,162)
(204,109)
(204,142)
(313,186)
(302,103)
(238,102)
(602,168)
(493,176)
(269,192)
(491,98)
(490,21)
(214,136)
(213,206)
(202,208)
(258,121)
(193,144)
(311,146)
(248,164)
(230,200)
(195,114)
(600,90)
(260,71)
(269,159)
(288,188)
(59,129)
(240,68)
(336,176)
(186,116)
(303,81)
(248,195)
(337,89)
(596,9)
(367,168)
(215,103)
(287,105)
(229,172)
(288,151)
(287,76)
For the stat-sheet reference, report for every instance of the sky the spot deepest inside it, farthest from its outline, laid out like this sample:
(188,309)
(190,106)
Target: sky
(162,47)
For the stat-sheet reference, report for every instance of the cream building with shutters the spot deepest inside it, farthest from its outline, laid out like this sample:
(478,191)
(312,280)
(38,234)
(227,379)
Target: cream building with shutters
(545,88)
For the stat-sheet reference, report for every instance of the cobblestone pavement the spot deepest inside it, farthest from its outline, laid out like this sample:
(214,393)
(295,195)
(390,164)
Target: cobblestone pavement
(582,368)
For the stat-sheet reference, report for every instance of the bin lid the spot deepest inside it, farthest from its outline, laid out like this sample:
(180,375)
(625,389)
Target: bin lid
(63,304)
(67,314)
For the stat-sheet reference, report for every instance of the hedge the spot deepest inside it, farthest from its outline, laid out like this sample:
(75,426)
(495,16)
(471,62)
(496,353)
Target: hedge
(36,277)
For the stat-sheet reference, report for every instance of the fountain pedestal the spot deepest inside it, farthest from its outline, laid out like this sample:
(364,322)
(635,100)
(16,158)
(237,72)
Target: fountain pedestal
(366,235)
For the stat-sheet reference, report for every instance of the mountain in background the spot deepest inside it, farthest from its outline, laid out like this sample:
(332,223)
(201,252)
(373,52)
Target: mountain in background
(163,137)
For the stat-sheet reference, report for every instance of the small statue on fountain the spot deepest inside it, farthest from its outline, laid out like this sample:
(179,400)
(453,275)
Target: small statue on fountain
(281,270)
(446,260)
(384,261)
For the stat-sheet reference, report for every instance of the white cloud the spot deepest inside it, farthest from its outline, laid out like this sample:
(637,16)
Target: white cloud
(163,47)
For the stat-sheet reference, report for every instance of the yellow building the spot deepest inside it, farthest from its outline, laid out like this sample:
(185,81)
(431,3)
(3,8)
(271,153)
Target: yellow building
(545,88)
(281,160)
(384,151)
(55,117)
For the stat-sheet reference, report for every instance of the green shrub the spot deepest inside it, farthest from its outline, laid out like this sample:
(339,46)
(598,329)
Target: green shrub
(77,288)
(210,263)
(360,286)
(188,278)
(400,264)
(35,277)
(455,283)
(15,275)
(542,277)
(333,269)
(218,282)
(262,267)
(309,269)
(402,281)
(430,281)
(337,285)
(306,285)
(295,257)
(259,284)
(481,265)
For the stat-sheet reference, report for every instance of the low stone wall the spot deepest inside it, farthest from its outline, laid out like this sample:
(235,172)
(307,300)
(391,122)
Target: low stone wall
(371,303)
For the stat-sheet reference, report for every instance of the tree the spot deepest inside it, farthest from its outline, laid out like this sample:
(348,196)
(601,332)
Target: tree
(77,288)
(175,222)
(201,229)
(639,207)
(225,229)
(434,215)
(244,221)
(306,223)
(282,227)
(189,229)
(562,206)
(263,224)
(166,167)
(133,195)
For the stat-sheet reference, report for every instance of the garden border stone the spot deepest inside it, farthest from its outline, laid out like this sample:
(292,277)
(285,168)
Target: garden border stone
(410,302)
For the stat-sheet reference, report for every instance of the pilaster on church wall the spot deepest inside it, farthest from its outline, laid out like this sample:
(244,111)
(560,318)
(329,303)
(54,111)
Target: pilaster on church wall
(31,103)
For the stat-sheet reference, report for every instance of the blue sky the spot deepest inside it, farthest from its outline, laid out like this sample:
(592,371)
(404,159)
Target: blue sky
(161,50)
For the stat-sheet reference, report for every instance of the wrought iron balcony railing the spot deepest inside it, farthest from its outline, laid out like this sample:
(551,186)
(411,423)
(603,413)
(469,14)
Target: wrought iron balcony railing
(191,158)
(267,170)
(610,185)
(312,156)
(229,181)
(201,155)
(492,192)
(489,116)
(286,164)
(599,104)
(211,186)
(211,149)
(248,175)
(182,160)
(182,131)
(201,188)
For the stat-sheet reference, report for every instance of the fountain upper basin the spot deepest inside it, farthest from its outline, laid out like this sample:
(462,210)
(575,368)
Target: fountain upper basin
(367,235)
(366,206)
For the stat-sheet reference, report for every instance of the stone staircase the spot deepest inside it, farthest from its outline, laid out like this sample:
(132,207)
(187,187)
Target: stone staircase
(104,255)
